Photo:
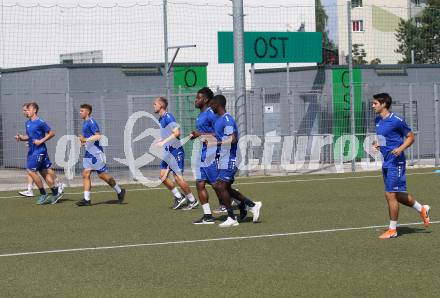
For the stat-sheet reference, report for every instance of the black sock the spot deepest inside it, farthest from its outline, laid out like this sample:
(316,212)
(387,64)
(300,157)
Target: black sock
(54,191)
(249,203)
(42,191)
(242,206)
(231,213)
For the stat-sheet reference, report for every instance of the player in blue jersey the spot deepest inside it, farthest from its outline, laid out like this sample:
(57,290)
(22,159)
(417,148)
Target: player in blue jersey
(206,168)
(394,137)
(227,137)
(94,158)
(173,158)
(29,180)
(38,133)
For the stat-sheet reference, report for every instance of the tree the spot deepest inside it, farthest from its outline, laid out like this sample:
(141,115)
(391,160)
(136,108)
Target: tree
(359,54)
(376,61)
(321,25)
(424,40)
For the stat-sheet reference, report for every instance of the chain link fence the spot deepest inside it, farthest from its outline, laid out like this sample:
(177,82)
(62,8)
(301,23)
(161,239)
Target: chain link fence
(296,114)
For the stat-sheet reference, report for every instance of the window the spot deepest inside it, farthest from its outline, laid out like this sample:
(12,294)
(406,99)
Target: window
(417,2)
(418,22)
(356,3)
(358,26)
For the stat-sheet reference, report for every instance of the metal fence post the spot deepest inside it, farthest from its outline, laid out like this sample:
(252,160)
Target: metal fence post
(436,126)
(411,122)
(350,70)
(165,48)
(239,66)
(70,131)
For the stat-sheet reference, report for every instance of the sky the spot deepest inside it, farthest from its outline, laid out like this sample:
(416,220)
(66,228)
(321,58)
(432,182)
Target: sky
(38,36)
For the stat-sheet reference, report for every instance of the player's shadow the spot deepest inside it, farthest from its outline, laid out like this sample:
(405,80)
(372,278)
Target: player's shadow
(110,202)
(410,230)
(63,200)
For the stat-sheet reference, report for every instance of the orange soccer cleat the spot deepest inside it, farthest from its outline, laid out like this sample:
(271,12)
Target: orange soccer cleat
(425,215)
(389,234)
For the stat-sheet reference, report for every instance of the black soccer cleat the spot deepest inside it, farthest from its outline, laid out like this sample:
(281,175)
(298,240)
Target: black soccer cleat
(121,195)
(207,219)
(83,202)
(179,203)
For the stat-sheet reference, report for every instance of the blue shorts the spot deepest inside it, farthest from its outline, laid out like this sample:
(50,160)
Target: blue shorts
(208,174)
(95,162)
(174,160)
(38,162)
(394,178)
(227,174)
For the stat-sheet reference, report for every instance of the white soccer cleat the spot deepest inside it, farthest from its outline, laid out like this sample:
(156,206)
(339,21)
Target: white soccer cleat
(26,193)
(229,222)
(61,188)
(256,211)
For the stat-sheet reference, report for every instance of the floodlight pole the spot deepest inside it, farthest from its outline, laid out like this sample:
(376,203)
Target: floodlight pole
(239,66)
(165,46)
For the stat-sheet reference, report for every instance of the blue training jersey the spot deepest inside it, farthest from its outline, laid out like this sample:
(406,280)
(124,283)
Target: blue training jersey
(36,130)
(167,124)
(391,132)
(90,128)
(225,126)
(205,123)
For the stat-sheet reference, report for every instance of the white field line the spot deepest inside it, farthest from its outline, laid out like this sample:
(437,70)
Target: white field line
(244,183)
(69,250)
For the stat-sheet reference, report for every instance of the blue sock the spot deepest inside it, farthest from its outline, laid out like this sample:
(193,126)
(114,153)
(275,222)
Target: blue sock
(54,191)
(249,203)
(231,213)
(42,191)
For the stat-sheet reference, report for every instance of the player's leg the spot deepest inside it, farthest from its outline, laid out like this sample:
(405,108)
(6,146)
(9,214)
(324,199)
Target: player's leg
(49,178)
(184,186)
(204,201)
(57,181)
(87,186)
(390,181)
(222,191)
(103,175)
(30,183)
(176,164)
(408,200)
(245,203)
(33,165)
(179,200)
(393,211)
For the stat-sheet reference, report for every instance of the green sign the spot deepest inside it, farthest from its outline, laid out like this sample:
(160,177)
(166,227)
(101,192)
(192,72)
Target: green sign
(187,80)
(341,109)
(273,47)
(189,77)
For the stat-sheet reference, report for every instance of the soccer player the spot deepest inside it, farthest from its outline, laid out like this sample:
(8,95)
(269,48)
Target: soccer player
(207,167)
(94,158)
(226,133)
(394,136)
(30,182)
(173,156)
(37,134)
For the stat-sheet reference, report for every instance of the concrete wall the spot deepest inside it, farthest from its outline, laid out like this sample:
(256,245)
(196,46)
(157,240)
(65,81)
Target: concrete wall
(46,87)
